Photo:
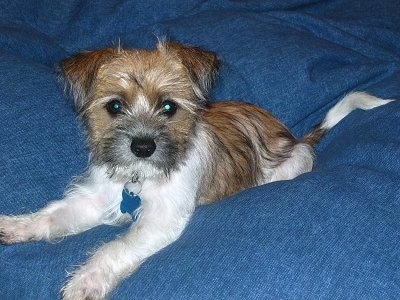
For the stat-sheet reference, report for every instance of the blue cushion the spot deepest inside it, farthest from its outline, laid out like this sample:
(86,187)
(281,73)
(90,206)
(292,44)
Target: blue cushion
(329,234)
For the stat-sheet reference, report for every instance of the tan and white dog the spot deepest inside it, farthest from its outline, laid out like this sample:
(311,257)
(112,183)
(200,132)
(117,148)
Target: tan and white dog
(152,133)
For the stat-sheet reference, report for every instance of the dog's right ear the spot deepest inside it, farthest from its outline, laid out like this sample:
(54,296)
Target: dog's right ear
(80,72)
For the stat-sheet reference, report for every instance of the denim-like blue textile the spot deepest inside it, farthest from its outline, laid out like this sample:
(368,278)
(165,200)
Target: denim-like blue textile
(333,233)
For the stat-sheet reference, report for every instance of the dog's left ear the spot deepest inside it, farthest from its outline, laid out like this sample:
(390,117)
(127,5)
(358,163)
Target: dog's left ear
(201,65)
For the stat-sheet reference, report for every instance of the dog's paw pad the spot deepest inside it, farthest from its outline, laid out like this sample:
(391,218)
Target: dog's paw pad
(3,238)
(14,230)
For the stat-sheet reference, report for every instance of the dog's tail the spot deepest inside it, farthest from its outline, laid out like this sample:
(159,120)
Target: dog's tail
(344,107)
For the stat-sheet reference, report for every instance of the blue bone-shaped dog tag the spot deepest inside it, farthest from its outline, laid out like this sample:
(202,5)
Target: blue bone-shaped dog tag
(130,198)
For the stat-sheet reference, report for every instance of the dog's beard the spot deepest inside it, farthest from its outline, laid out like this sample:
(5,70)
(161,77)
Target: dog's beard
(115,154)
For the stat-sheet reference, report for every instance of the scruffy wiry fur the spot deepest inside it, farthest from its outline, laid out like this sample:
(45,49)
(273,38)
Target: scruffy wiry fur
(148,121)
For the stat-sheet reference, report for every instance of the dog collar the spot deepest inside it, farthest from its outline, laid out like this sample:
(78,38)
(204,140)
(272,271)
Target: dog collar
(130,198)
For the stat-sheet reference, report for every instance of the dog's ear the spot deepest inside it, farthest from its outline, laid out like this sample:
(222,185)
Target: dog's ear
(201,65)
(80,72)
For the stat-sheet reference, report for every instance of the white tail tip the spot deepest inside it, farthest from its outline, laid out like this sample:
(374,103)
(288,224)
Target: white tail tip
(356,100)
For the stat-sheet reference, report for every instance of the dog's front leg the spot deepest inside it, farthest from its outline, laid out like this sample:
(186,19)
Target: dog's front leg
(157,227)
(84,206)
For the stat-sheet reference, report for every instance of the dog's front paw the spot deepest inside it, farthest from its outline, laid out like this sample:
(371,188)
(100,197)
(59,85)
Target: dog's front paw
(13,229)
(85,284)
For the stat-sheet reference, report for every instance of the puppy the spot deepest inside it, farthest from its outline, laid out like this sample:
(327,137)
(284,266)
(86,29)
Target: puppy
(158,150)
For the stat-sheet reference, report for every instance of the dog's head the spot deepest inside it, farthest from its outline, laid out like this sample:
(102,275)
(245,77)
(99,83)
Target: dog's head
(140,107)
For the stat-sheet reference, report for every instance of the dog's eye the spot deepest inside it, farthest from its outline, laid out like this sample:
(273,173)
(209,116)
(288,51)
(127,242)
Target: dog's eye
(169,108)
(114,107)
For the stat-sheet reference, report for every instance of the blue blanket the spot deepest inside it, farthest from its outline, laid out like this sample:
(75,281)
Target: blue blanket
(333,233)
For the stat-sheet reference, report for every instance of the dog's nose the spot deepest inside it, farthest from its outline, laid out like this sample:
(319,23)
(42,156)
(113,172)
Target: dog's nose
(143,147)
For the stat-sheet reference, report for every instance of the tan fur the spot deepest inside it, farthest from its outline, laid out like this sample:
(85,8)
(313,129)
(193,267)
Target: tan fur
(247,139)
